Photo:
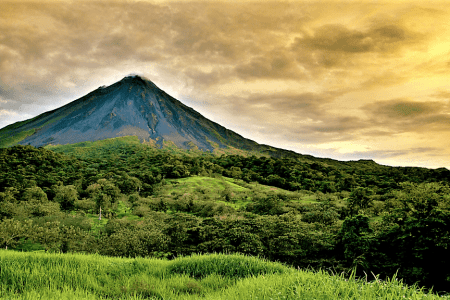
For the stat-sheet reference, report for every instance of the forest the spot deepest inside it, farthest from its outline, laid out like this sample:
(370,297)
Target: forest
(306,213)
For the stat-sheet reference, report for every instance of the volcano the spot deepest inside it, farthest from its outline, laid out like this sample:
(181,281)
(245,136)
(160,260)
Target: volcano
(133,106)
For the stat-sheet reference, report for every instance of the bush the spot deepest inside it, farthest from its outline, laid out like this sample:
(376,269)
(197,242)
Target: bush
(320,213)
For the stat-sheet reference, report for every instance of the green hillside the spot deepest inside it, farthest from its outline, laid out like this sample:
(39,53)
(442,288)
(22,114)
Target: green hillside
(167,203)
(89,149)
(13,134)
(229,191)
(7,141)
(214,276)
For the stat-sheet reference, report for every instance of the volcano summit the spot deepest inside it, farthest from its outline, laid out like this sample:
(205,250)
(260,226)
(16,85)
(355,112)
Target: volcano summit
(132,106)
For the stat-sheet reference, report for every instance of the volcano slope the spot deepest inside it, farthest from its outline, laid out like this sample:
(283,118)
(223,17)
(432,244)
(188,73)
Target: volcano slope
(132,106)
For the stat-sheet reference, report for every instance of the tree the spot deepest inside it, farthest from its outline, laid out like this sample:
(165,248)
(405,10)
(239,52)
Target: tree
(324,213)
(72,239)
(235,172)
(416,236)
(66,196)
(35,195)
(8,203)
(10,195)
(355,239)
(162,205)
(48,235)
(86,205)
(11,231)
(226,193)
(179,229)
(37,204)
(269,205)
(359,199)
(103,193)
(245,241)
(130,185)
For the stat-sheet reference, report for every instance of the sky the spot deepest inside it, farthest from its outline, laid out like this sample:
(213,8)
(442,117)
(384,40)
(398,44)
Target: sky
(346,80)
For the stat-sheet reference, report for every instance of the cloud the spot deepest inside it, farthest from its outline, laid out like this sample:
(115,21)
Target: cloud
(7,112)
(404,108)
(293,71)
(385,79)
(295,116)
(385,154)
(52,51)
(337,38)
(335,45)
(405,115)
(277,64)
(305,118)
(236,40)
(202,78)
(287,104)
(441,95)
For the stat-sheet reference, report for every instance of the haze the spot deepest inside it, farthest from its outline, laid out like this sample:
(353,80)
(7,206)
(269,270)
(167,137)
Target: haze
(346,80)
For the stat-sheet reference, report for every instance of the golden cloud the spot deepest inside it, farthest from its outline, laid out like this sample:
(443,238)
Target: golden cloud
(310,71)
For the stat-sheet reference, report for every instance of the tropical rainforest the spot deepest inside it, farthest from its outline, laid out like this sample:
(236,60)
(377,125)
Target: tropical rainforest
(122,198)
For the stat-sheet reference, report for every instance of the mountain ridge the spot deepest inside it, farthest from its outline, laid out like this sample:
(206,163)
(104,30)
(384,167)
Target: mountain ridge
(136,106)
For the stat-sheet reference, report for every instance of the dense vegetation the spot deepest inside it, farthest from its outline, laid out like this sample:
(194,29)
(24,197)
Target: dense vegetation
(306,213)
(216,276)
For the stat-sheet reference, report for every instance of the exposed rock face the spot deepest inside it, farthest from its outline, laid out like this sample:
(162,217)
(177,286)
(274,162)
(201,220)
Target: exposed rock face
(132,106)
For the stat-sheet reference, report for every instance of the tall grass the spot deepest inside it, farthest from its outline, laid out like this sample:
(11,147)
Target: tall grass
(232,266)
(216,276)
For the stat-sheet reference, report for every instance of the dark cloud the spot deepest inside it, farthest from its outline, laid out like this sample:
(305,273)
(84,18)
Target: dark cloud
(91,30)
(297,117)
(276,64)
(329,128)
(251,41)
(304,117)
(442,95)
(63,40)
(338,38)
(404,115)
(339,125)
(52,52)
(385,79)
(337,46)
(237,40)
(402,108)
(296,105)
(224,32)
(425,149)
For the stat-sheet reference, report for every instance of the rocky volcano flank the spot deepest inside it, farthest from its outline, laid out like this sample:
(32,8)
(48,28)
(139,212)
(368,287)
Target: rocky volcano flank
(132,106)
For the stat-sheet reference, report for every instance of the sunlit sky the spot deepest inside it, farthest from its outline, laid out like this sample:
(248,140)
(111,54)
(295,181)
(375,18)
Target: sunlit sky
(341,79)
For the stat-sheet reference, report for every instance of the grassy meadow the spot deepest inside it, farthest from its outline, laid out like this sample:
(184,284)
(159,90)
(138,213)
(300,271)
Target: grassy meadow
(39,275)
(241,193)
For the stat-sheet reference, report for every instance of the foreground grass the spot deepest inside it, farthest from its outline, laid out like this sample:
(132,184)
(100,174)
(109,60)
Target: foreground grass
(215,276)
